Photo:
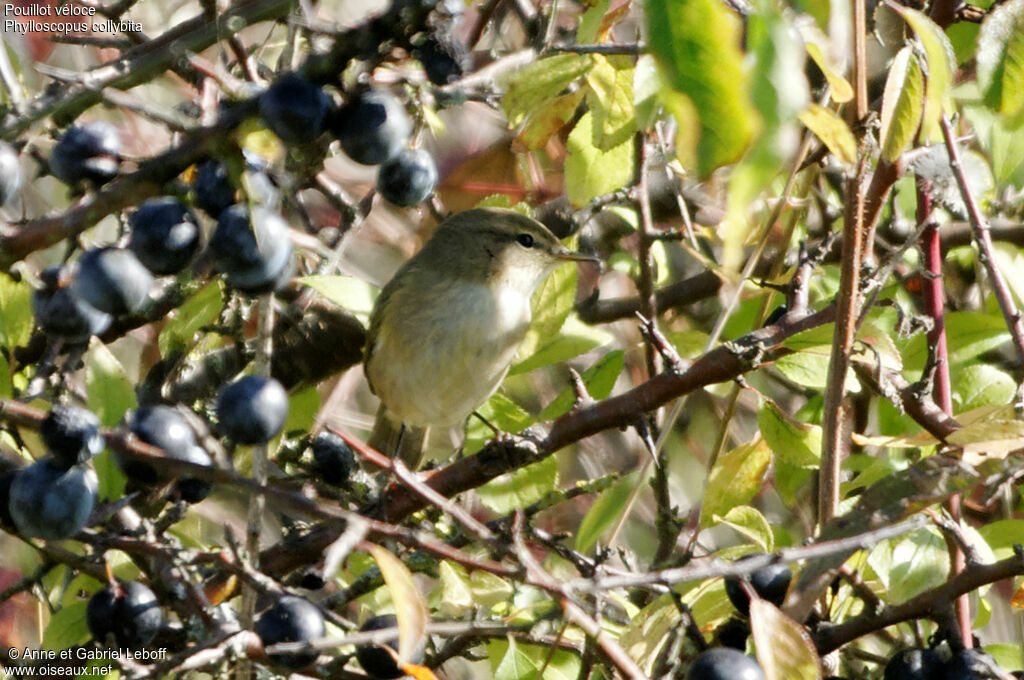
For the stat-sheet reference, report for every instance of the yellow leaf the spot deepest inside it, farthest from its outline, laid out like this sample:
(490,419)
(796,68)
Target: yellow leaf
(410,607)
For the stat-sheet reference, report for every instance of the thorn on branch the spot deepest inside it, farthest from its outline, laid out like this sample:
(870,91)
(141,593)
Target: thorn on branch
(583,397)
(665,349)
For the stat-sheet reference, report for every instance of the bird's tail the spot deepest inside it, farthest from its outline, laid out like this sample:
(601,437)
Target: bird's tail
(392,439)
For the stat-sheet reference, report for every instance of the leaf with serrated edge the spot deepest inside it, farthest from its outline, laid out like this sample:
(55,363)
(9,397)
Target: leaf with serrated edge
(940,63)
(784,647)
(410,608)
(901,104)
(752,524)
(736,477)
(795,442)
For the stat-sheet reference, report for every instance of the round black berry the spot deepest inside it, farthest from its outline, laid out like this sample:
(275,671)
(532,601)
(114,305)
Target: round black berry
(72,434)
(163,427)
(132,614)
(720,663)
(112,280)
(52,502)
(333,458)
(252,410)
(770,583)
(408,178)
(11,177)
(87,152)
(733,634)
(164,235)
(292,619)
(194,490)
(969,664)
(255,253)
(61,313)
(295,109)
(6,521)
(372,128)
(213,189)
(375,660)
(443,56)
(913,664)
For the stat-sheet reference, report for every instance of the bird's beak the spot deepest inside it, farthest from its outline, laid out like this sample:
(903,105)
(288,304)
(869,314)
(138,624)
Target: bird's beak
(567,255)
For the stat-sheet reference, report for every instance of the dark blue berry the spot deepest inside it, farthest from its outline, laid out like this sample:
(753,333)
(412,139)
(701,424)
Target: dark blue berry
(163,427)
(87,152)
(252,410)
(408,178)
(333,458)
(61,313)
(254,254)
(375,660)
(295,109)
(72,434)
(112,280)
(214,192)
(292,619)
(724,664)
(52,502)
(770,583)
(372,128)
(164,235)
(914,664)
(133,615)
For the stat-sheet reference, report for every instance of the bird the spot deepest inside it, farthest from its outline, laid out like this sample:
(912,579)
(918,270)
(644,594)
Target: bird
(445,329)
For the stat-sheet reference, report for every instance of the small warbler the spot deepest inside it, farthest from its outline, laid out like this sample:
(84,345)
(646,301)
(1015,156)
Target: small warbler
(446,328)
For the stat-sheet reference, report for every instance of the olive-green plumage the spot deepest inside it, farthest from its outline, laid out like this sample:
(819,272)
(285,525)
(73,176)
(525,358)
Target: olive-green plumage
(445,329)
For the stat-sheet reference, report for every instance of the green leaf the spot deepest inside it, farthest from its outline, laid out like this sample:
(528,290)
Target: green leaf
(302,410)
(902,104)
(591,172)
(910,565)
(794,442)
(832,131)
(6,384)
(752,524)
(111,392)
(736,477)
(1002,535)
(575,339)
(604,512)
(490,590)
(67,628)
(511,660)
(200,310)
(16,318)
(452,595)
(550,305)
(697,44)
(520,488)
(940,61)
(502,413)
(531,88)
(112,480)
(968,335)
(610,98)
(784,647)
(1001,60)
(981,385)
(347,292)
(599,379)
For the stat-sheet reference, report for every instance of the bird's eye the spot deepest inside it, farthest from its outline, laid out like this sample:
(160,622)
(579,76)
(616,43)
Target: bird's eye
(525,240)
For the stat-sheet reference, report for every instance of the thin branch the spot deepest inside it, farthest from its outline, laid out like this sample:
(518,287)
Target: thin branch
(984,239)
